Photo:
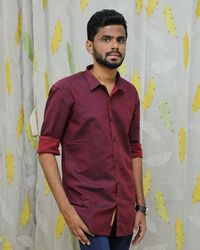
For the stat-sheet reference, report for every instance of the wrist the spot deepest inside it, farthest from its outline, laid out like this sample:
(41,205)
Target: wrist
(141,208)
(64,206)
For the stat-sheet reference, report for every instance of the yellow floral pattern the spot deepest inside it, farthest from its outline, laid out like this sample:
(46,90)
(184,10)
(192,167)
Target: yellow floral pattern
(186,50)
(136,81)
(179,234)
(139,6)
(26,212)
(147,182)
(9,166)
(182,144)
(20,123)
(19,29)
(151,6)
(7,245)
(169,21)
(196,100)
(196,192)
(83,4)
(8,78)
(57,37)
(161,206)
(149,95)
(60,225)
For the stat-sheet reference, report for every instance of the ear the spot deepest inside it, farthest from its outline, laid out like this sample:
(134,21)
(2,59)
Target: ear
(89,46)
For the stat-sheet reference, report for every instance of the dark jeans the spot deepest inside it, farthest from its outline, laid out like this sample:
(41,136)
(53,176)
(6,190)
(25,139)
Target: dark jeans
(108,242)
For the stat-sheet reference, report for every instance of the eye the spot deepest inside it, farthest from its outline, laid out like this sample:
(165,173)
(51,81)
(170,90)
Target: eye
(121,40)
(106,39)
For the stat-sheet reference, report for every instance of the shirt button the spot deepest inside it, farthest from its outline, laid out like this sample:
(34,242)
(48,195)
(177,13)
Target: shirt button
(114,140)
(116,160)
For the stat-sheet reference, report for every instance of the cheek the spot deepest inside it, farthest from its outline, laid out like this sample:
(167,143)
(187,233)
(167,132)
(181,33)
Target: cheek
(103,49)
(123,50)
(123,47)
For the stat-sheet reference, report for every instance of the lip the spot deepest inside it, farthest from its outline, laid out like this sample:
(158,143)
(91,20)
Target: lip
(115,55)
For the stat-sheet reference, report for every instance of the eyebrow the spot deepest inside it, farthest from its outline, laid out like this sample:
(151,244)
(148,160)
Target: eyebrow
(108,36)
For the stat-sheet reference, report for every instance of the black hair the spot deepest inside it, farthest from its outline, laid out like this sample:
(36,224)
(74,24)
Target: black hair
(103,18)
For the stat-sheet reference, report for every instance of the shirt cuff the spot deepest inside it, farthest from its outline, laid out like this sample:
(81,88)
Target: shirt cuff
(136,150)
(48,145)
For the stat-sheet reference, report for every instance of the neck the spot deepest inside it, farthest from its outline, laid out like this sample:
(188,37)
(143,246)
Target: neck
(104,74)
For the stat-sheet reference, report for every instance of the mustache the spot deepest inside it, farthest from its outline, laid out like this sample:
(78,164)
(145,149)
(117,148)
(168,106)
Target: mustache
(113,52)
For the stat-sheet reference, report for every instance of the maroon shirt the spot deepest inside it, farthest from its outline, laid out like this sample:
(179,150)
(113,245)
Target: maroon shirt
(99,135)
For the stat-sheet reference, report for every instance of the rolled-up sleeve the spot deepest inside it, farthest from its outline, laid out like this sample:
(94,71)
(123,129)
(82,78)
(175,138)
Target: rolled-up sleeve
(134,133)
(57,110)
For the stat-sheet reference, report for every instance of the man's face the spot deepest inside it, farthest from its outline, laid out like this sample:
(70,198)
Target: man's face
(109,46)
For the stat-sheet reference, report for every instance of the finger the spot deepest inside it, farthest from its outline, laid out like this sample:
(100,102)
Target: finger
(83,237)
(139,236)
(136,228)
(80,240)
(75,232)
(136,240)
(85,229)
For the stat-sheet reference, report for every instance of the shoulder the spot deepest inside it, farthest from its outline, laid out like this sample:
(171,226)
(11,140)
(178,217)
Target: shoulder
(62,90)
(67,85)
(129,88)
(69,81)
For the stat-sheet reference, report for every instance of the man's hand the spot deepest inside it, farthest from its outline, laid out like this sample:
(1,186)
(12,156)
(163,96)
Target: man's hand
(139,227)
(76,225)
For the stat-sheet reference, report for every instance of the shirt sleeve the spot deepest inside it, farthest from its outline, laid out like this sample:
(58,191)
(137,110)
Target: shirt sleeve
(57,110)
(134,133)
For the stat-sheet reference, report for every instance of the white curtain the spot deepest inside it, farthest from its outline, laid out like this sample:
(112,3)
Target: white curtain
(44,40)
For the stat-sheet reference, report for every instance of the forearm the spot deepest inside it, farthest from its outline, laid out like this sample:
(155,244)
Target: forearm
(50,168)
(138,178)
(76,225)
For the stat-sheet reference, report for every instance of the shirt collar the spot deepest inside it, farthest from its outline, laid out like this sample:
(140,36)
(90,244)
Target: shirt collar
(93,82)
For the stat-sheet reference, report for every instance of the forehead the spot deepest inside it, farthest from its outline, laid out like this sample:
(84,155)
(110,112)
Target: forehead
(111,30)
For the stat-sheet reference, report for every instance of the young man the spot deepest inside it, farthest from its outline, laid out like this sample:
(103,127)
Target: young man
(95,115)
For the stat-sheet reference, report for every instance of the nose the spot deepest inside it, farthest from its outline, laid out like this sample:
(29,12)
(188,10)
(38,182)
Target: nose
(115,44)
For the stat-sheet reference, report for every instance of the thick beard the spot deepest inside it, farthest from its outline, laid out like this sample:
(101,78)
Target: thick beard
(104,62)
